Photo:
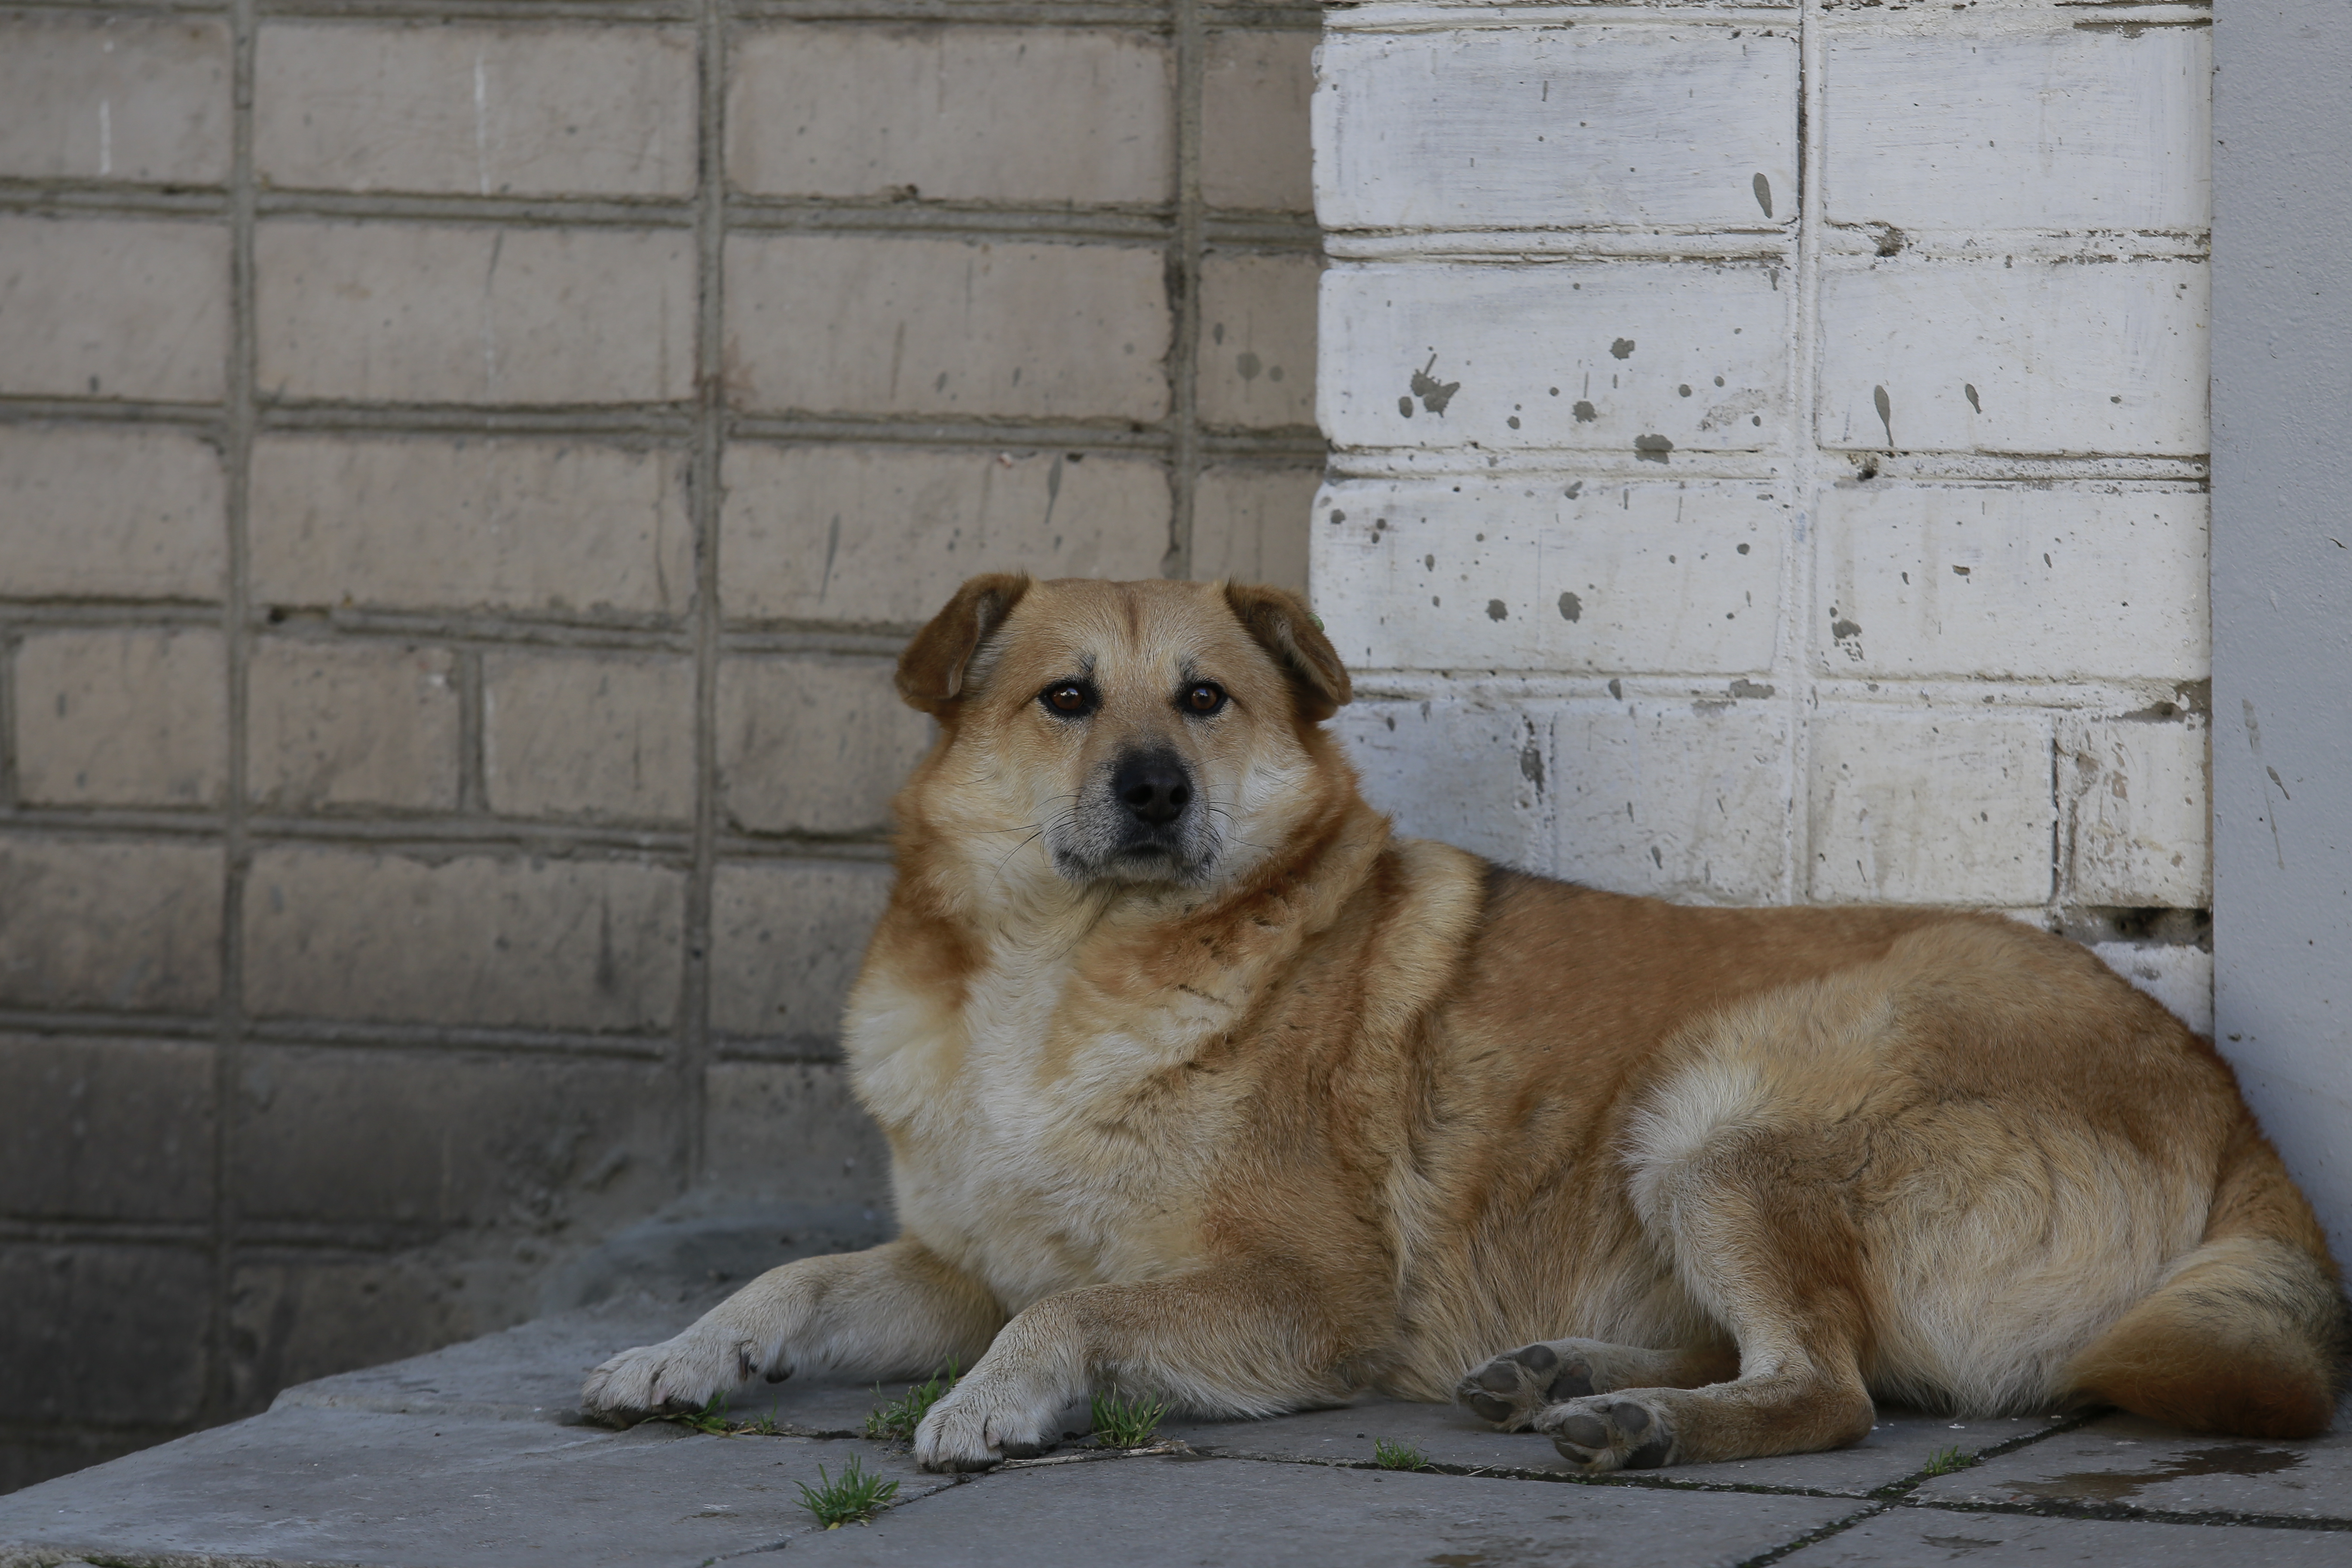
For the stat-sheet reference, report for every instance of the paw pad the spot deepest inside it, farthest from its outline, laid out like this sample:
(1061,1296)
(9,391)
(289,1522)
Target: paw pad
(1599,1435)
(1512,1389)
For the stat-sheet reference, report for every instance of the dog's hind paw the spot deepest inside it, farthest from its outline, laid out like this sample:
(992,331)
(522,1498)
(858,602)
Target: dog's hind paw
(1609,1432)
(1518,1385)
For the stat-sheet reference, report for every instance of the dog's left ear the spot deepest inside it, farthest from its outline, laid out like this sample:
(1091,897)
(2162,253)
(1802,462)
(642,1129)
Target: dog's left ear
(1283,626)
(932,667)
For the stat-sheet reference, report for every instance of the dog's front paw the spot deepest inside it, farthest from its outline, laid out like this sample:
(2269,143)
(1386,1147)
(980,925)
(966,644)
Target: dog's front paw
(684,1372)
(1610,1432)
(1516,1387)
(978,1425)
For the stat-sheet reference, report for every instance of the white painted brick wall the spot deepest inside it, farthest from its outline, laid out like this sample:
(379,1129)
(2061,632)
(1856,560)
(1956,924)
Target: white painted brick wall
(2063,357)
(1769,451)
(1469,771)
(1939,129)
(1518,128)
(1683,799)
(2003,580)
(1601,356)
(2137,795)
(1931,808)
(1502,576)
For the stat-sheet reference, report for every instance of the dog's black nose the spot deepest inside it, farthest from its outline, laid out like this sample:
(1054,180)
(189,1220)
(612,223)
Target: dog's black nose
(1153,786)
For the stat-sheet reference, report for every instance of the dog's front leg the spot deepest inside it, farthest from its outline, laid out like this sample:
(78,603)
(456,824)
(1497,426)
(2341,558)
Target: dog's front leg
(1235,1339)
(895,1308)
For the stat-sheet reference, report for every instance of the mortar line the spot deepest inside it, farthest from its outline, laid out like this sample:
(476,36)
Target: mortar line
(145,1026)
(714,24)
(637,427)
(471,734)
(2118,1513)
(1800,592)
(10,636)
(1184,286)
(1818,1534)
(237,458)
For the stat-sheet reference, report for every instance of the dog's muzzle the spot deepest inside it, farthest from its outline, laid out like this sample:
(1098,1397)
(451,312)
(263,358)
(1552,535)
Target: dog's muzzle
(1143,822)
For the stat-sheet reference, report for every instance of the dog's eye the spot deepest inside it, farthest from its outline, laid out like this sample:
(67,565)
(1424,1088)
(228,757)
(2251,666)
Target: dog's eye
(1206,697)
(1067,698)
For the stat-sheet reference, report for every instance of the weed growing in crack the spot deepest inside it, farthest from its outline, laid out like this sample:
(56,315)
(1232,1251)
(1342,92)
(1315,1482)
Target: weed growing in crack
(855,1497)
(896,1420)
(1944,1461)
(711,1418)
(1394,1456)
(1126,1423)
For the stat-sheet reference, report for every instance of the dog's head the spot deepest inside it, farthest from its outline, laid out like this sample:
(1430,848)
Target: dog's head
(1154,732)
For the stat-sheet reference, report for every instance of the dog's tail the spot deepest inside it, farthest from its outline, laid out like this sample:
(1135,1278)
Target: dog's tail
(2249,1332)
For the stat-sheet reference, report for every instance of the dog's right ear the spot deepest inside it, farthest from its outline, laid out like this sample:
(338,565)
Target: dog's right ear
(932,670)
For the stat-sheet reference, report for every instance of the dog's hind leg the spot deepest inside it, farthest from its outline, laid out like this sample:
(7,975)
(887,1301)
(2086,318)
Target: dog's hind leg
(1517,1386)
(1760,1234)
(2251,1332)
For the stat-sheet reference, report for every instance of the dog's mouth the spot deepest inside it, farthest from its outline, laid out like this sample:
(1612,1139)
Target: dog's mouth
(1132,863)
(1161,855)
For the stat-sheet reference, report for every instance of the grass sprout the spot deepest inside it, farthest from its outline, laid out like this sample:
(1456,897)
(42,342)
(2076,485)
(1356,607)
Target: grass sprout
(1126,1423)
(1394,1456)
(1944,1461)
(855,1497)
(895,1420)
(711,1418)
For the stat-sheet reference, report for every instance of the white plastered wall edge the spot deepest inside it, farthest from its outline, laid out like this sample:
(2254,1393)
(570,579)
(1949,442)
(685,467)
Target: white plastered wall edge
(2282,578)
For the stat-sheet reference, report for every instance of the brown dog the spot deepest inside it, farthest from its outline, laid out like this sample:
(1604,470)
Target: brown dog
(1198,1081)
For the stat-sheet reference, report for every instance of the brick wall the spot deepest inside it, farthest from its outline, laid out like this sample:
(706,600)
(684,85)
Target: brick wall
(1781,428)
(465,471)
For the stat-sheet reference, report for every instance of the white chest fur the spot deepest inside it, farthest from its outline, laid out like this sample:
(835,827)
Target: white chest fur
(1045,1136)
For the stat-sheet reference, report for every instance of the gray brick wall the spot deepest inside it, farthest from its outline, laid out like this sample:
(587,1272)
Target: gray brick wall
(464,469)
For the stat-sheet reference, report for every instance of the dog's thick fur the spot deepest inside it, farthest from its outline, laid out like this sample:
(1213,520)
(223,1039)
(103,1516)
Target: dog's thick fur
(1199,1081)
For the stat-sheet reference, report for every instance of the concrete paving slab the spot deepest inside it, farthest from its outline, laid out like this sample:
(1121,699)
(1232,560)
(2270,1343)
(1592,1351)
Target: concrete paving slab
(1917,1537)
(475,1456)
(1177,1512)
(1898,1446)
(533,1373)
(342,1486)
(529,1372)
(2125,1462)
(826,1404)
